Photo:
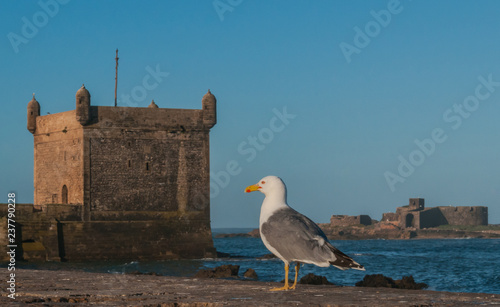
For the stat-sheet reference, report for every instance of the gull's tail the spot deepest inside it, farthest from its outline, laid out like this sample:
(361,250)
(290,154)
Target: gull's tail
(344,262)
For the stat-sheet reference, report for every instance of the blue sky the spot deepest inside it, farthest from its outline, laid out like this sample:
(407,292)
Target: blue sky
(336,95)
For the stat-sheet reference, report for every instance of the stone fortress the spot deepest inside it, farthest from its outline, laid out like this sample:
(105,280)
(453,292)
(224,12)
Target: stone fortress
(415,215)
(118,183)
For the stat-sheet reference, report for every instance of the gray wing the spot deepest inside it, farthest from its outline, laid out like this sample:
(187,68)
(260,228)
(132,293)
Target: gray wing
(297,238)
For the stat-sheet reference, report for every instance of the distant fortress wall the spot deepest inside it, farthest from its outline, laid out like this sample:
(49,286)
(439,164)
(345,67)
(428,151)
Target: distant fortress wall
(430,217)
(347,220)
(417,216)
(475,215)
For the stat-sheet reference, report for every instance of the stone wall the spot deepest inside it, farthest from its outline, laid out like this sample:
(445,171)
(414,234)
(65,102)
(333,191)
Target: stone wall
(347,220)
(416,204)
(431,217)
(36,230)
(58,158)
(470,216)
(58,233)
(123,159)
(149,173)
(390,217)
(436,216)
(150,118)
(147,159)
(136,240)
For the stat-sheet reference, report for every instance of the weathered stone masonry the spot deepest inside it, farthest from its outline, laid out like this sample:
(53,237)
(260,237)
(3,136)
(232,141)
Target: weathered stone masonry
(415,215)
(119,182)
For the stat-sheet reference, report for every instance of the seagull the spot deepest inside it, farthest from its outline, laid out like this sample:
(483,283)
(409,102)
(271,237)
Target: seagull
(293,237)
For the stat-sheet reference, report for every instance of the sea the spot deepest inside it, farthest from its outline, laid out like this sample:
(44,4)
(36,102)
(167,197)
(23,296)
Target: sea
(455,265)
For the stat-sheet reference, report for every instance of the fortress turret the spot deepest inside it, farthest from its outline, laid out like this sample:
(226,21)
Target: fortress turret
(83,106)
(209,104)
(33,112)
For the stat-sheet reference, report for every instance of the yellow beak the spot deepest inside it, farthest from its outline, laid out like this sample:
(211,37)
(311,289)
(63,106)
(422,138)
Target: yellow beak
(252,188)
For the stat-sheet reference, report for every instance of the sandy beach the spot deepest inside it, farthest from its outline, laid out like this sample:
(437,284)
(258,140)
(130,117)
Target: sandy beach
(57,288)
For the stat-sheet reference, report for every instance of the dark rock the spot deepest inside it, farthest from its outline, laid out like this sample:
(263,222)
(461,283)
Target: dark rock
(223,255)
(267,256)
(227,255)
(376,280)
(407,282)
(311,279)
(223,271)
(379,280)
(250,273)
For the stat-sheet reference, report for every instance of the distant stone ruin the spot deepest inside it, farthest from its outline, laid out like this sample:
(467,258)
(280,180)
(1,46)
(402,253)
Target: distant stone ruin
(415,215)
(348,220)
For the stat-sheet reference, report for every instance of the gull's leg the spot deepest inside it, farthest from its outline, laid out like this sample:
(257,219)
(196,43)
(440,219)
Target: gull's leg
(286,286)
(297,267)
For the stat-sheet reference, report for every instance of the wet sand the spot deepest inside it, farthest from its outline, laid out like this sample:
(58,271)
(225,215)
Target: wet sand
(63,288)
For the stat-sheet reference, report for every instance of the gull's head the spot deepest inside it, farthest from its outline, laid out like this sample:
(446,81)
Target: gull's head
(268,185)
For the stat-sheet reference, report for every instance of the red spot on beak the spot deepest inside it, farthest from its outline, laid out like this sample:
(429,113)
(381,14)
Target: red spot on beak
(248,191)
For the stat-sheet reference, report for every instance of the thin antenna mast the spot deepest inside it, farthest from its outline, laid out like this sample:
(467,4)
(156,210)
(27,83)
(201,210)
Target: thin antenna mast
(116,74)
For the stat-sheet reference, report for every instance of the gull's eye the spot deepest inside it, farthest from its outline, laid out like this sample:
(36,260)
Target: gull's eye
(262,182)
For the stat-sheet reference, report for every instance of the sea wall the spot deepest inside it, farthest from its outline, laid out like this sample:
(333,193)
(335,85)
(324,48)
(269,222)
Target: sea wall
(135,240)
(58,233)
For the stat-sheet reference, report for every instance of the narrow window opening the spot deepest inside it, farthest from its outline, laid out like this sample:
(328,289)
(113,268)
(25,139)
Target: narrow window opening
(129,164)
(64,194)
(147,166)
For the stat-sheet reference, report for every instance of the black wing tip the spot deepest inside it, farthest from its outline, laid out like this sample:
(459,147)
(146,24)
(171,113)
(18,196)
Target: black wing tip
(357,266)
(347,263)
